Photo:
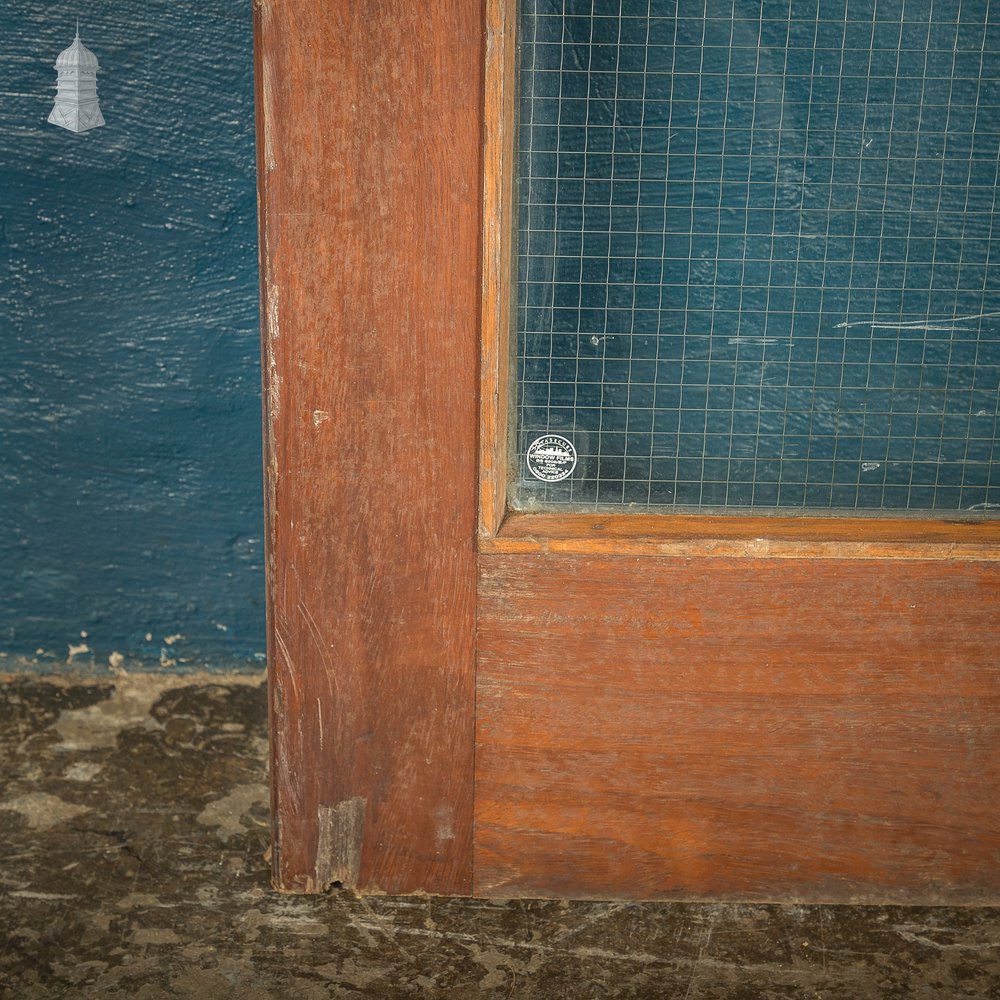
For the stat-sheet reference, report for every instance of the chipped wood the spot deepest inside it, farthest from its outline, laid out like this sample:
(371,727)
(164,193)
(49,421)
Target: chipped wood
(341,836)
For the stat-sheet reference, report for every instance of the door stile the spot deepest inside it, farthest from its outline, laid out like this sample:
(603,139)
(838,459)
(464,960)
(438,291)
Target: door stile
(370,138)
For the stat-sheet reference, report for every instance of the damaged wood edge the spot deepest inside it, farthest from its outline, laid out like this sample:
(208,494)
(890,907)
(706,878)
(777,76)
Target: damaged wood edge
(338,852)
(263,97)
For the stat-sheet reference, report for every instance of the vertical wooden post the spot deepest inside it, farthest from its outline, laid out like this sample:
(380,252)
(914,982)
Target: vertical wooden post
(370,137)
(498,235)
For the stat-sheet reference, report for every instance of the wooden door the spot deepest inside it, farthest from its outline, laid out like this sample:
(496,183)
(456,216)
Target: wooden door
(465,699)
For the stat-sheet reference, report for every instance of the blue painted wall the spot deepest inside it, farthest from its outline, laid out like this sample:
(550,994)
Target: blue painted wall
(130,494)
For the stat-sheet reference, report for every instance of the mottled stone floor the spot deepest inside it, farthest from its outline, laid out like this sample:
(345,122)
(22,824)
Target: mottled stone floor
(132,827)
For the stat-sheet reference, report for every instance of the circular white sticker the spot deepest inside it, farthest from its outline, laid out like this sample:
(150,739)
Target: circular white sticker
(551,457)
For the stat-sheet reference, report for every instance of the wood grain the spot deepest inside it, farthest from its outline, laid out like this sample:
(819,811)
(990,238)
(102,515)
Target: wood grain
(498,254)
(370,127)
(822,730)
(733,535)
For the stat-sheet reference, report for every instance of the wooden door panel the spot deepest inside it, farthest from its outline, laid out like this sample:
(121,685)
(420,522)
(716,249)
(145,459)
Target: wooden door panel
(698,707)
(739,728)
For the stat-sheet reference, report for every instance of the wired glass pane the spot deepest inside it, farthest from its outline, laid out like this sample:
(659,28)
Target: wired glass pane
(757,265)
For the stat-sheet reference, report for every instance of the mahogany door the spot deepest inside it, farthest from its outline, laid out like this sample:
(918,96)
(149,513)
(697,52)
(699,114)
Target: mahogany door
(470,699)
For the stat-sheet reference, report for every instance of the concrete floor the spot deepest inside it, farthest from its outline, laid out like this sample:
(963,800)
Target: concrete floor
(133,823)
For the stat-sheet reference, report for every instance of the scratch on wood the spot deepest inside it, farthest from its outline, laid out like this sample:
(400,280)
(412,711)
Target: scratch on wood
(315,634)
(267,87)
(338,853)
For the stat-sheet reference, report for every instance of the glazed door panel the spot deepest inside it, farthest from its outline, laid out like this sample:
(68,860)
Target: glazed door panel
(468,697)
(672,702)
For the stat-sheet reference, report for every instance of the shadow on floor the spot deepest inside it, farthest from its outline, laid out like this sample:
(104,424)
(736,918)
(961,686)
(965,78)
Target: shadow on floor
(133,823)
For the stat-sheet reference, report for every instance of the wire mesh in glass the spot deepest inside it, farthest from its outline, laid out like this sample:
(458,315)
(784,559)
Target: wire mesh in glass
(757,266)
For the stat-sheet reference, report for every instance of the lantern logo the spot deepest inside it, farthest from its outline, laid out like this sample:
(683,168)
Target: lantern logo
(76,106)
(551,458)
